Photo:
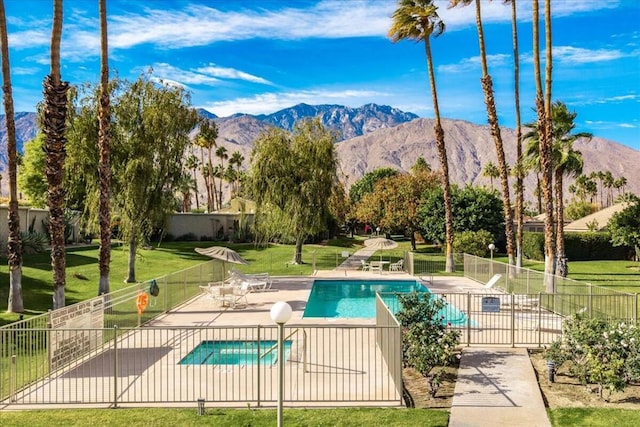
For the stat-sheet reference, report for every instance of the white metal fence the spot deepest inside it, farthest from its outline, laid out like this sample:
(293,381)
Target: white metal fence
(230,366)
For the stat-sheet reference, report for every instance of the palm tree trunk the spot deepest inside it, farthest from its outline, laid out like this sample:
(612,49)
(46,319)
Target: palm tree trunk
(297,257)
(492,117)
(14,246)
(519,168)
(104,168)
(195,189)
(55,110)
(561,268)
(450,266)
(131,265)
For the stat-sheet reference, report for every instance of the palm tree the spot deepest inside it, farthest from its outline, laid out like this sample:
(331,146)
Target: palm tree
(235,162)
(14,246)
(104,144)
(519,168)
(53,126)
(221,153)
(494,127)
(192,164)
(608,184)
(491,171)
(545,146)
(620,184)
(207,139)
(567,161)
(418,20)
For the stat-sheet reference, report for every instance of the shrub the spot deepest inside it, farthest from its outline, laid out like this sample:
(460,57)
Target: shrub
(189,237)
(33,242)
(427,341)
(473,243)
(599,352)
(533,245)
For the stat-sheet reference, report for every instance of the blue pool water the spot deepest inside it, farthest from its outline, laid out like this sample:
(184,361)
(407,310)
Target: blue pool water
(357,299)
(235,353)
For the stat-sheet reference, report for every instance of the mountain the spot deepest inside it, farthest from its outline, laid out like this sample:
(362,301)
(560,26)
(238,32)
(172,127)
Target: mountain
(469,148)
(26,128)
(381,136)
(350,122)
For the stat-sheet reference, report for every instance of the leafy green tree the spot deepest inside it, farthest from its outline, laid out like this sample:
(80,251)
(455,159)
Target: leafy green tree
(150,136)
(579,209)
(14,245)
(32,181)
(395,202)
(624,226)
(427,341)
(419,20)
(474,208)
(367,183)
(292,178)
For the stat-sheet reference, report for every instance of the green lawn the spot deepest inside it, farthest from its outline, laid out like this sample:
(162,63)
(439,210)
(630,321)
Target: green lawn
(591,417)
(83,275)
(227,417)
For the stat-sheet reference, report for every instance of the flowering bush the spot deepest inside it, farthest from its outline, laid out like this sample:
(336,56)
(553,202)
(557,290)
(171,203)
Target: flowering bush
(598,352)
(427,340)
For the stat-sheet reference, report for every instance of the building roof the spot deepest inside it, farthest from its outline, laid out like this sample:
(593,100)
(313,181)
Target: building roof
(596,221)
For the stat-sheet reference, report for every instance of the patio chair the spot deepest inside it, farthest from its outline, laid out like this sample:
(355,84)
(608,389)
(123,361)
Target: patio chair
(365,265)
(397,266)
(233,296)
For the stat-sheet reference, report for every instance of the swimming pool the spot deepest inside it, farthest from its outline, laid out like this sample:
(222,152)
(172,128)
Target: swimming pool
(357,299)
(353,298)
(235,353)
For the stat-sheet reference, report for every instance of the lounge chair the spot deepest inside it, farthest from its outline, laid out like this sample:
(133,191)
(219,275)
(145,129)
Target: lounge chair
(397,266)
(491,283)
(254,282)
(365,265)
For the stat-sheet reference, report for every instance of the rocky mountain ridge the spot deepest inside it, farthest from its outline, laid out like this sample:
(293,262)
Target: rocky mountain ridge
(382,136)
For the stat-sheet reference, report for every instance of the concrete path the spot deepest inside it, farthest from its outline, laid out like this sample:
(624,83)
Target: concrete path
(497,387)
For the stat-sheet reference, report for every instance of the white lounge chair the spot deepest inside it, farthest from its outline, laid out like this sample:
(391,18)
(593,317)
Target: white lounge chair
(491,283)
(365,265)
(254,282)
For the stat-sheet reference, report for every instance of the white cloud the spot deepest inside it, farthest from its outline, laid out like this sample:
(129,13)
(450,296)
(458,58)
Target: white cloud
(577,55)
(230,73)
(473,64)
(24,71)
(270,102)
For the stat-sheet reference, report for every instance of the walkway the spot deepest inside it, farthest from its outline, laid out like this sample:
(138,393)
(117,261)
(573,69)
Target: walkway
(495,386)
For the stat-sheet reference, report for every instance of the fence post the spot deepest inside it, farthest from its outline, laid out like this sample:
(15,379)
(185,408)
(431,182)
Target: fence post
(635,311)
(13,377)
(513,320)
(539,319)
(468,319)
(115,366)
(590,301)
(258,368)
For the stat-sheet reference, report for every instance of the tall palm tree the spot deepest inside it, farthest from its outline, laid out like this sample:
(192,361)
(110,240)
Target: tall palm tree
(206,139)
(491,171)
(235,162)
(519,169)
(544,132)
(221,153)
(418,20)
(494,127)
(55,112)
(192,164)
(608,184)
(14,246)
(567,161)
(104,145)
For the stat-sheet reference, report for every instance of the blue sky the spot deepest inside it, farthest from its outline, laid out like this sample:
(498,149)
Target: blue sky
(259,56)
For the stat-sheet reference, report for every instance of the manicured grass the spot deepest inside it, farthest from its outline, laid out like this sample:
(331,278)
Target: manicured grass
(227,417)
(83,274)
(592,417)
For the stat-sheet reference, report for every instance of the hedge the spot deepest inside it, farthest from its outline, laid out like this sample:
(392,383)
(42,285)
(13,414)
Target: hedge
(578,247)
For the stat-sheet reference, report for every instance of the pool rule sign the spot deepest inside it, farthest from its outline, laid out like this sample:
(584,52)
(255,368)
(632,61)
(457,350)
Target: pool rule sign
(490,304)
